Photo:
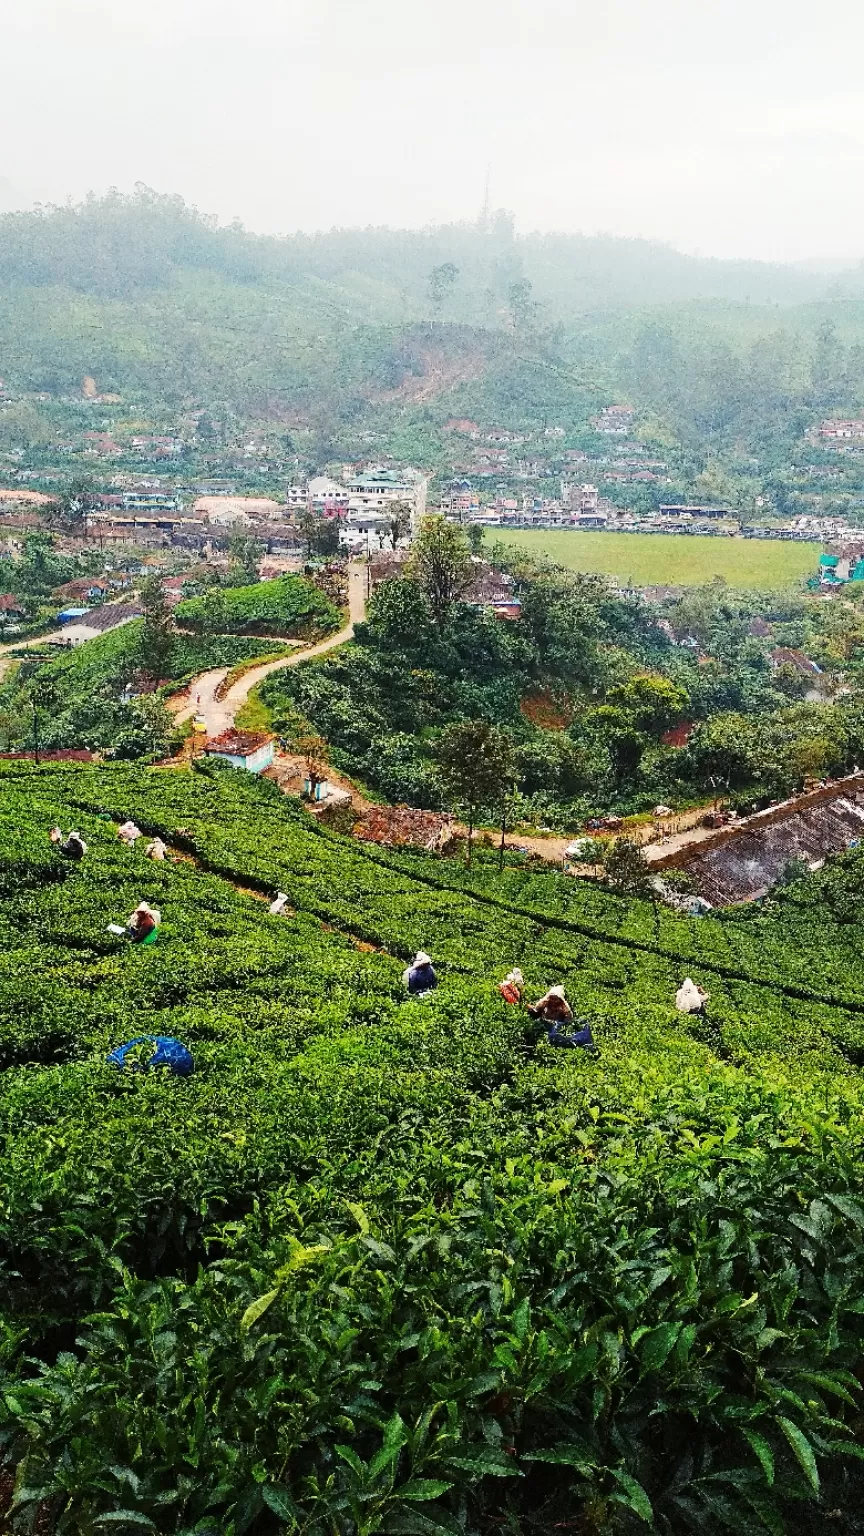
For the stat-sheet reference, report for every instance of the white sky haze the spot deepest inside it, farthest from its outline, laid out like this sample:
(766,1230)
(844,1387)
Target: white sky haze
(720,126)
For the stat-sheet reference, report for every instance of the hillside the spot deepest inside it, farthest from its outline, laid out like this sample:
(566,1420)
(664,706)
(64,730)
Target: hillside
(347,329)
(117,245)
(397,1266)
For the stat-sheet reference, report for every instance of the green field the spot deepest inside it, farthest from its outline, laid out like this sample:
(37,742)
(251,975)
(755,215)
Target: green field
(640,559)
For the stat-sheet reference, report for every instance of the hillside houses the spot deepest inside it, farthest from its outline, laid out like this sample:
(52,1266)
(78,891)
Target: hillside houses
(838,431)
(87,625)
(236,511)
(614,420)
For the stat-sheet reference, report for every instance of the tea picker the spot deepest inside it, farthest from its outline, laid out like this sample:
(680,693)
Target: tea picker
(277,906)
(512,987)
(138,1055)
(129,834)
(554,1010)
(690,998)
(142,926)
(156,850)
(71,847)
(419,977)
(552,1007)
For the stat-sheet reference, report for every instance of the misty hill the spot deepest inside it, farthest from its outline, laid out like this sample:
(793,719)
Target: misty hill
(117,246)
(157,301)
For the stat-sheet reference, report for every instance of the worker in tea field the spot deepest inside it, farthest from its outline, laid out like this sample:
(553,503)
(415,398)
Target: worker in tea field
(553,1009)
(512,987)
(690,998)
(156,850)
(278,904)
(143,925)
(138,1055)
(419,977)
(129,834)
(71,847)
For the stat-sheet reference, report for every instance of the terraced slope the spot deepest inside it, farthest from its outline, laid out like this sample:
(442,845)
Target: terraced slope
(397,1266)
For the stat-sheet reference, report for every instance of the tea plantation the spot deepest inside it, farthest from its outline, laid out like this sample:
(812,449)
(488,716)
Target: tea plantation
(383,1265)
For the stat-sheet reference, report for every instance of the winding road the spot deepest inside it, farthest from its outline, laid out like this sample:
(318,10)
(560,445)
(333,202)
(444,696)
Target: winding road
(219,714)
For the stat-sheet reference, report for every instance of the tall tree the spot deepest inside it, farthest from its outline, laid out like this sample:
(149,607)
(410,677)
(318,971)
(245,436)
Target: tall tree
(398,521)
(320,534)
(521,305)
(214,605)
(74,505)
(441,281)
(440,564)
(475,762)
(44,698)
(627,868)
(246,552)
(157,633)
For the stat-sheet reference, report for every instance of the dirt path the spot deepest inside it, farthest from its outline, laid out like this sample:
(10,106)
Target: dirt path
(220,714)
(200,699)
(695,836)
(688,837)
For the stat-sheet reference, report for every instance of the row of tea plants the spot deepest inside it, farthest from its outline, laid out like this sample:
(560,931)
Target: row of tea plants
(381,1265)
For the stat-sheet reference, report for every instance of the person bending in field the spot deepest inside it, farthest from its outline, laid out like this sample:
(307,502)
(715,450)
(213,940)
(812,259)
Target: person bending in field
(689,998)
(420,978)
(156,850)
(512,987)
(129,833)
(555,1011)
(144,921)
(71,847)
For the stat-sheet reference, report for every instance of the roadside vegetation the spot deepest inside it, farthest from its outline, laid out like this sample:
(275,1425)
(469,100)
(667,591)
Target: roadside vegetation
(104,696)
(108,694)
(289,607)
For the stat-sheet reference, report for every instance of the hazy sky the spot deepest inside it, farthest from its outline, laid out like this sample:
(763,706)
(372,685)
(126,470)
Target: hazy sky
(728,127)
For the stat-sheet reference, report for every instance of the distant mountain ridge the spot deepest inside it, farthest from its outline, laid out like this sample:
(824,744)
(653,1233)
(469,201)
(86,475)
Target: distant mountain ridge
(119,245)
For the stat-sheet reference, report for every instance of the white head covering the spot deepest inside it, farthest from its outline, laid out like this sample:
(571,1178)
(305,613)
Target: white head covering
(556,991)
(515,975)
(421,958)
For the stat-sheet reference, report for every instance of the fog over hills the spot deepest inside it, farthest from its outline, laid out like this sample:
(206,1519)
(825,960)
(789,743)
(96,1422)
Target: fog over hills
(118,245)
(157,300)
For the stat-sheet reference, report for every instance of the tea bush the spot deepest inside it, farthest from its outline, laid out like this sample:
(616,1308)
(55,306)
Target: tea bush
(288,606)
(384,1265)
